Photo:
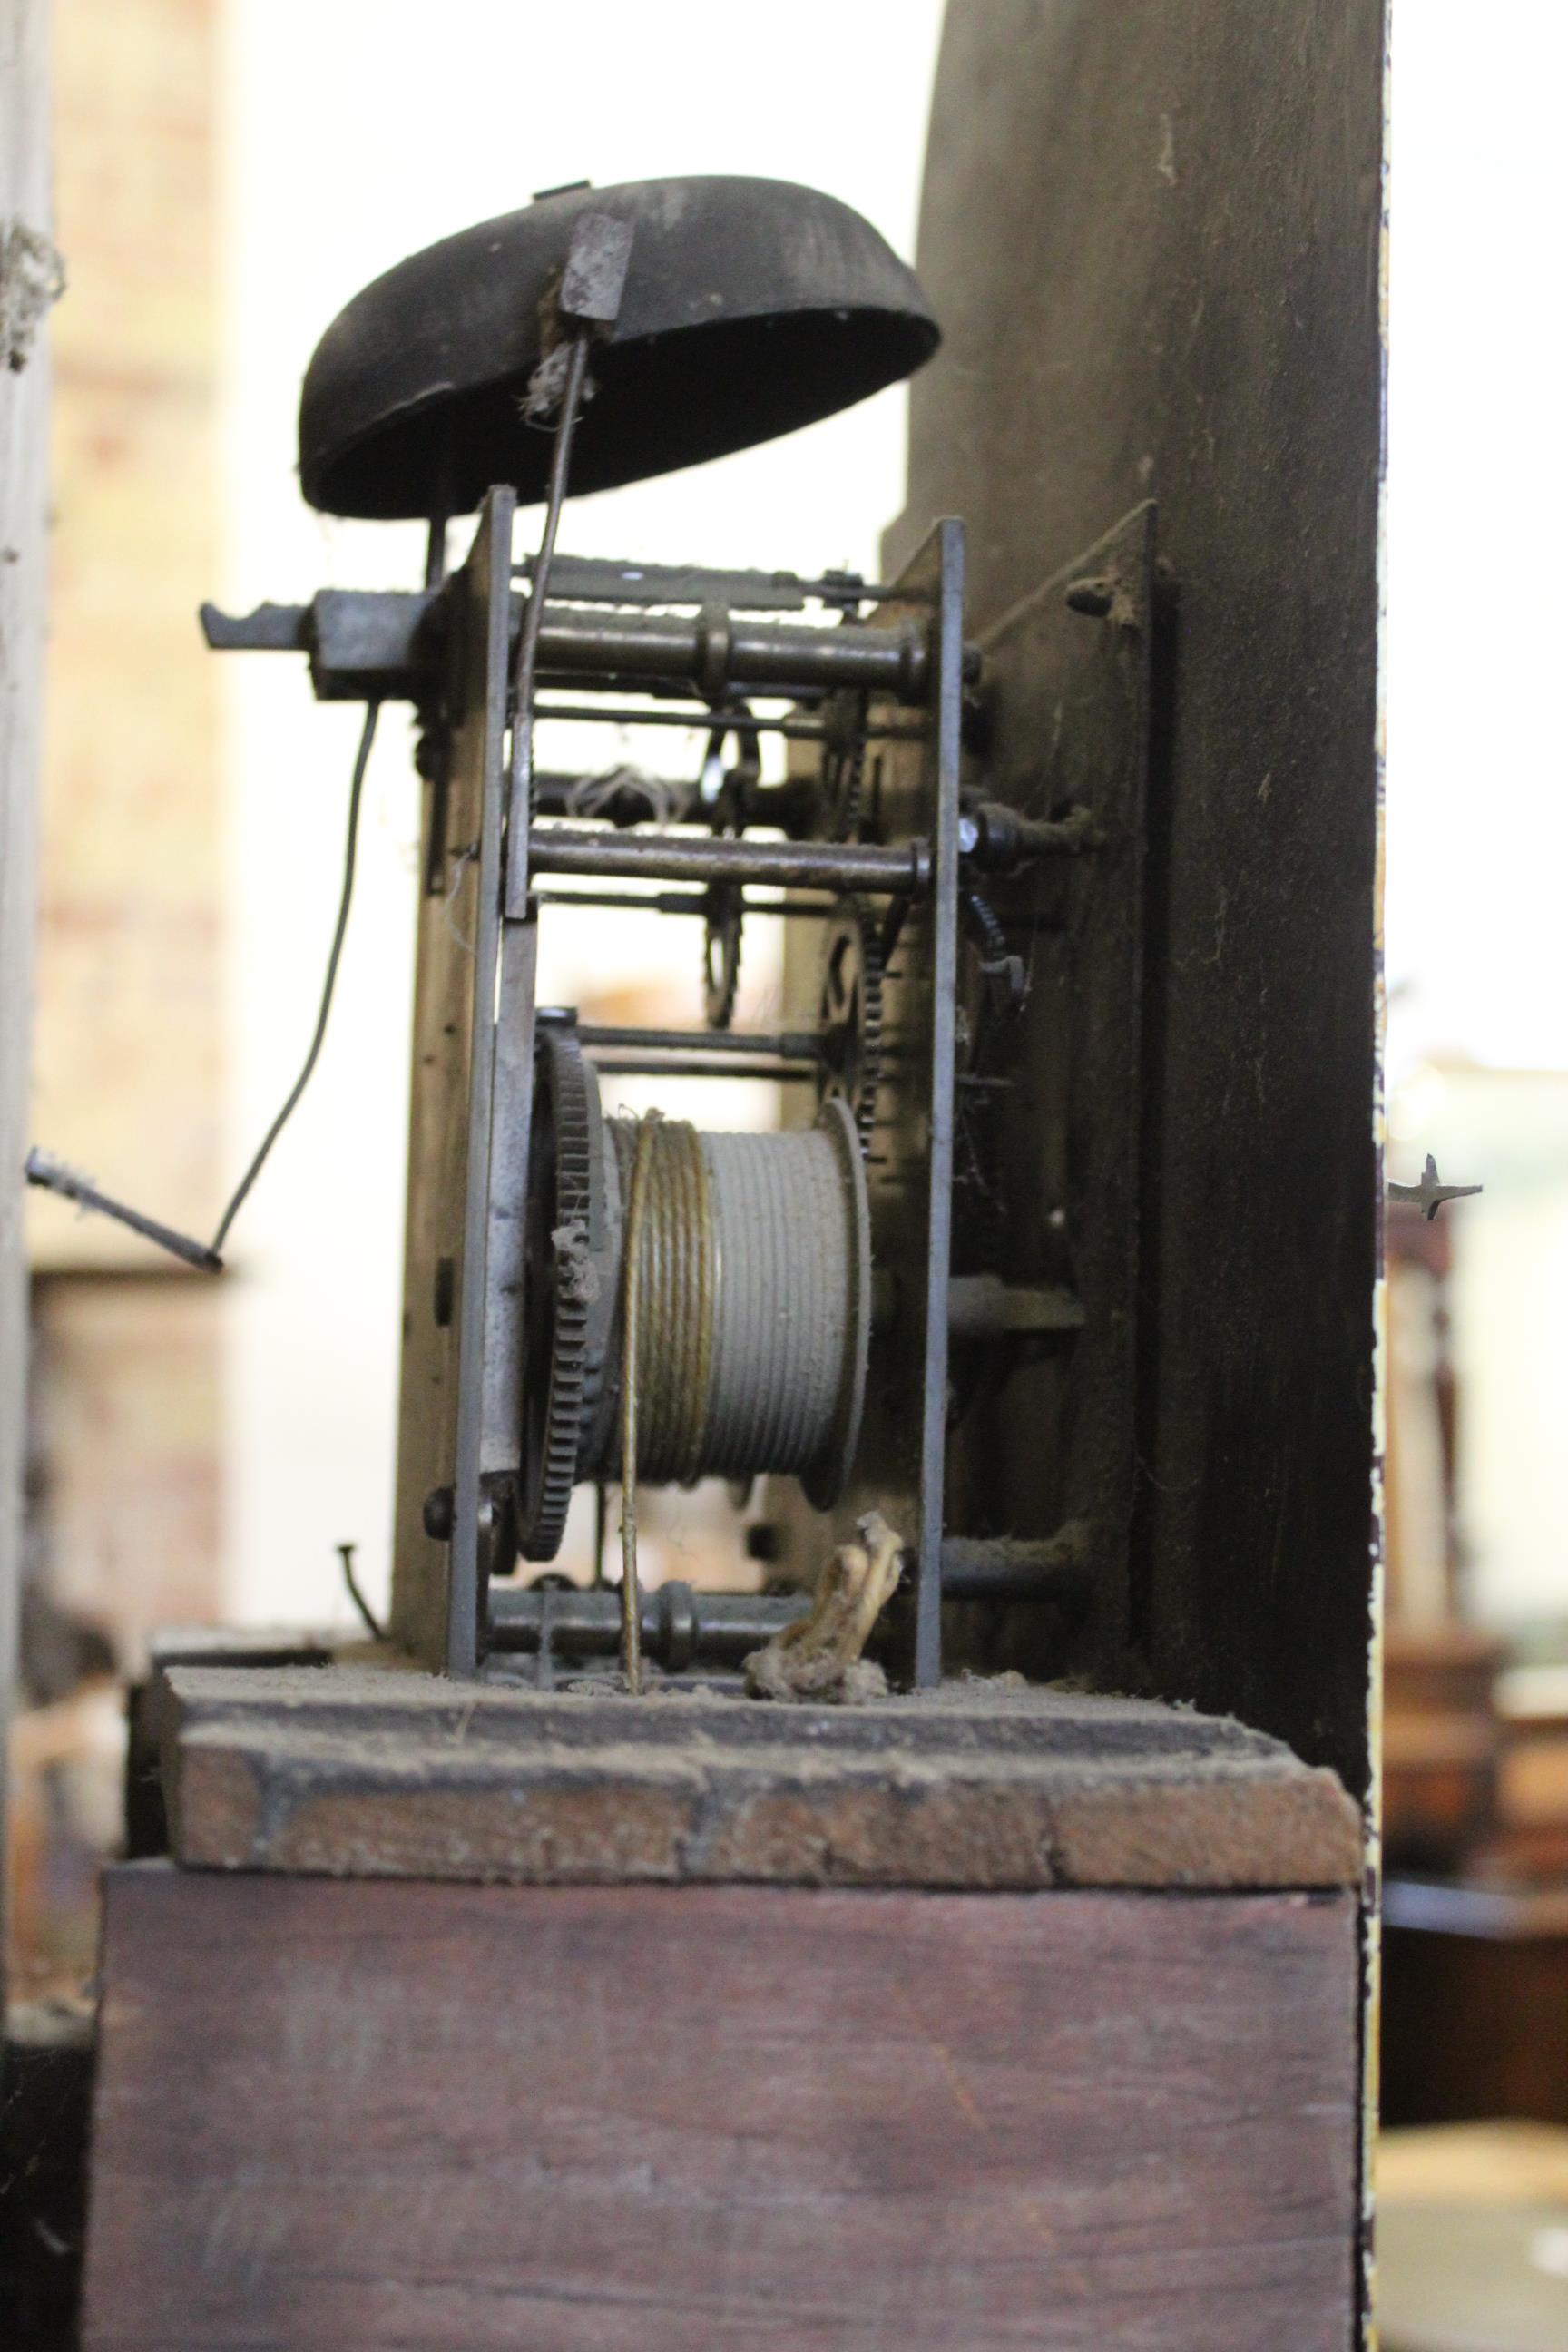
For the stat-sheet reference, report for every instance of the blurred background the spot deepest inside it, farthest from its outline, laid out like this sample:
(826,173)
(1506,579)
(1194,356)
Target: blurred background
(229,171)
(1475,1750)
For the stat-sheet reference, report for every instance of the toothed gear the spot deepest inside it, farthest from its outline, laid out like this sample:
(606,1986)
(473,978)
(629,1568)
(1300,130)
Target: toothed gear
(726,908)
(848,791)
(722,938)
(850,1012)
(564,1229)
(844,778)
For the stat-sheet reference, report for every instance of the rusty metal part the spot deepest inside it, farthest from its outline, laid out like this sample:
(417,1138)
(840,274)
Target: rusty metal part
(723,931)
(793,729)
(1058,1017)
(1003,972)
(844,778)
(849,1015)
(1012,1569)
(681,1626)
(914,805)
(488,1361)
(982,1306)
(900,870)
(752,306)
(389,643)
(520,799)
(602,580)
(43,1168)
(684,902)
(714,651)
(703,1065)
(789,1045)
(996,839)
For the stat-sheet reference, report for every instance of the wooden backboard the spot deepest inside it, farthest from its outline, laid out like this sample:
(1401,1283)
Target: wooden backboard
(1152,237)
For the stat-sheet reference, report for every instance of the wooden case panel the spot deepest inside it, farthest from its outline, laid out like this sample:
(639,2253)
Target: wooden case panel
(593,2119)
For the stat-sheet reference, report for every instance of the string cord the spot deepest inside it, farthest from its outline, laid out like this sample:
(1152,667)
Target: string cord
(631,1341)
(356,795)
(373,1626)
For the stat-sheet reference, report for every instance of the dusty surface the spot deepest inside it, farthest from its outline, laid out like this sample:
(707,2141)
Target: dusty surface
(351,1770)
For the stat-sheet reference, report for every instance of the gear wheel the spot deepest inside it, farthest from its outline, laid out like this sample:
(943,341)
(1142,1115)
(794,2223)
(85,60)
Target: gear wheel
(726,915)
(726,903)
(563,1236)
(843,775)
(849,1013)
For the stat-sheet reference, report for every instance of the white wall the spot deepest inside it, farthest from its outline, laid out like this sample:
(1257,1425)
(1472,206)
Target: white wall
(1478,752)
(355,131)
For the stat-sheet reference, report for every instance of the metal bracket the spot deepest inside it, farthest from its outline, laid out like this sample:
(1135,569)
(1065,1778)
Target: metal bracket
(1051,1093)
(899,1468)
(448,1235)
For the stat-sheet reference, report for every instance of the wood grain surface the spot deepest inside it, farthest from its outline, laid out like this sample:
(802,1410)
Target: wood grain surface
(362,1770)
(344,2114)
(1151,237)
(435,1228)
